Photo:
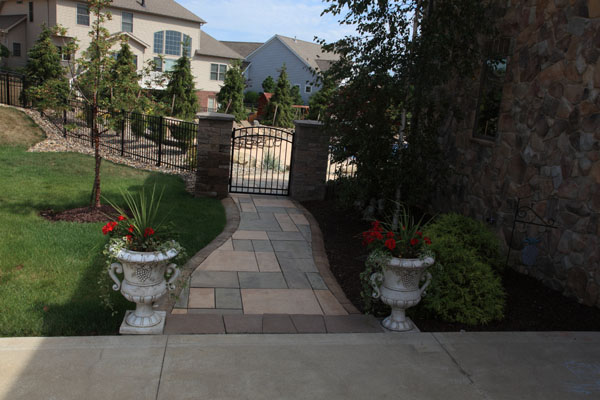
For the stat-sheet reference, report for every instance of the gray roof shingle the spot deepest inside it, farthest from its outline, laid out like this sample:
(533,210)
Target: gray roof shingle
(168,8)
(311,53)
(242,48)
(209,46)
(7,21)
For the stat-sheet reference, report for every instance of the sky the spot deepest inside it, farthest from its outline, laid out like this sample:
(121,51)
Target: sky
(259,20)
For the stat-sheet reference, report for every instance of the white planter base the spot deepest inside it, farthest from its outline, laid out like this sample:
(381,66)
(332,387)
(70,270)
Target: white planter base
(408,325)
(157,329)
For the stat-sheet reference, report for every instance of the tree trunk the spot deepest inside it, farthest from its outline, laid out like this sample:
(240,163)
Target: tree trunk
(96,135)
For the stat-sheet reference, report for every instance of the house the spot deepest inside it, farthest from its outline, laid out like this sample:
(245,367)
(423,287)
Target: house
(531,136)
(153,28)
(301,58)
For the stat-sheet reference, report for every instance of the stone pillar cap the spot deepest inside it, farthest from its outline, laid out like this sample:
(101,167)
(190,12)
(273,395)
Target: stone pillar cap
(215,116)
(308,122)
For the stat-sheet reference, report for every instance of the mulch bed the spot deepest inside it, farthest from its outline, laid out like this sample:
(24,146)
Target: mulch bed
(83,214)
(530,306)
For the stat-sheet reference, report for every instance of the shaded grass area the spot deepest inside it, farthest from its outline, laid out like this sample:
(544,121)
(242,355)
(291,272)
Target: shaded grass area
(49,271)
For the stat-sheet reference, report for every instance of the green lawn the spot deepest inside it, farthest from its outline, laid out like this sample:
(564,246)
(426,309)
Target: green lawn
(49,271)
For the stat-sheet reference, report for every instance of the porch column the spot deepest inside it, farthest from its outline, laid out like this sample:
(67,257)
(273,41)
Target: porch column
(213,154)
(309,169)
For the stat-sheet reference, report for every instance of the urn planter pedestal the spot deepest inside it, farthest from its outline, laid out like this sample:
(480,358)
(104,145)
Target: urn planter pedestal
(144,284)
(398,286)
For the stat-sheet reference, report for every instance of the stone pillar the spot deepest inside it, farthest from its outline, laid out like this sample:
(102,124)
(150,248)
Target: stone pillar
(213,154)
(309,157)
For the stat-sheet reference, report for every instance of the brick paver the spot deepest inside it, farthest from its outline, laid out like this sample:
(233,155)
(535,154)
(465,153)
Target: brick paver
(265,279)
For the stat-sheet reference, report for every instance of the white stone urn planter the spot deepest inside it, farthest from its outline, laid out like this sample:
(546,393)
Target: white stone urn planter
(398,286)
(144,283)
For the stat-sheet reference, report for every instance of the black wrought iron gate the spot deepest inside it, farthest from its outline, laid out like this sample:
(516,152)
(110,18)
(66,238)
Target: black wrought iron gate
(261,160)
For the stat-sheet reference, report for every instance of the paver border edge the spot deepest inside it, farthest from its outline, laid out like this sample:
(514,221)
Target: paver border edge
(232,223)
(322,262)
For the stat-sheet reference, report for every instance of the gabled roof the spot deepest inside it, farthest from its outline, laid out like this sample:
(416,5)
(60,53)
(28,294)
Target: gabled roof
(242,48)
(132,37)
(7,22)
(167,8)
(310,53)
(209,46)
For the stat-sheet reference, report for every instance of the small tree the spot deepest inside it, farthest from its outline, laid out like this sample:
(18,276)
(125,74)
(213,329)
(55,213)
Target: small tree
(4,52)
(231,95)
(180,94)
(296,96)
(46,84)
(268,85)
(279,111)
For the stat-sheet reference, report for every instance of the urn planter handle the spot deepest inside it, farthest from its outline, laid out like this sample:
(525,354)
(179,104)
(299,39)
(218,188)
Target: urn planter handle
(118,268)
(376,280)
(172,269)
(427,282)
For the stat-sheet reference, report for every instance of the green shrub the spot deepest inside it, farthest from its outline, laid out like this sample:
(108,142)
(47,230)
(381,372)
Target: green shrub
(471,234)
(465,287)
(251,97)
(184,133)
(138,125)
(158,129)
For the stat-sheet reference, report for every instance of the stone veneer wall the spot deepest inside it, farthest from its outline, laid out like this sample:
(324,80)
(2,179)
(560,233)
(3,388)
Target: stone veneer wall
(548,146)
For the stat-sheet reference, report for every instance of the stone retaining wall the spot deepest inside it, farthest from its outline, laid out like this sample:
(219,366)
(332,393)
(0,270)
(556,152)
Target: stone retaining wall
(547,147)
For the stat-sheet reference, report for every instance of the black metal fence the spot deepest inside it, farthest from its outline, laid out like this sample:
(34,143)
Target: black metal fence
(11,89)
(161,141)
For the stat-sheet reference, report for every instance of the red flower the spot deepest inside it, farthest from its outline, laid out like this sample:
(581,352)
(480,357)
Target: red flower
(131,228)
(390,244)
(389,235)
(376,226)
(148,232)
(378,235)
(419,233)
(427,240)
(129,238)
(108,227)
(414,241)
(121,218)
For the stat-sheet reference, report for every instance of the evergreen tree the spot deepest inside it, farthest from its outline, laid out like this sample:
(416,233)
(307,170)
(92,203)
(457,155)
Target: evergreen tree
(320,101)
(4,52)
(46,84)
(124,82)
(180,94)
(279,111)
(231,95)
(296,96)
(268,85)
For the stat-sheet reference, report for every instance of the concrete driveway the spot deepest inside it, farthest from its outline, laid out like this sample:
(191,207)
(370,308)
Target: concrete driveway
(333,366)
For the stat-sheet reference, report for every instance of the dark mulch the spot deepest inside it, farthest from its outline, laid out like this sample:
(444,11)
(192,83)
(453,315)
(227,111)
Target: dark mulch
(530,305)
(83,214)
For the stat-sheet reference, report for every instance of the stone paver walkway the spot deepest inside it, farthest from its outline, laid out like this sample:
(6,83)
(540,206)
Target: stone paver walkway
(266,279)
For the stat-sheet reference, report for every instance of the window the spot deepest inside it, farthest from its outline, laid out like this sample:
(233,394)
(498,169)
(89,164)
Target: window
(127,22)
(173,43)
(31,11)
(63,54)
(308,89)
(159,39)
(493,73)
(83,14)
(212,104)
(158,64)
(170,64)
(187,45)
(16,49)
(217,72)
(135,61)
